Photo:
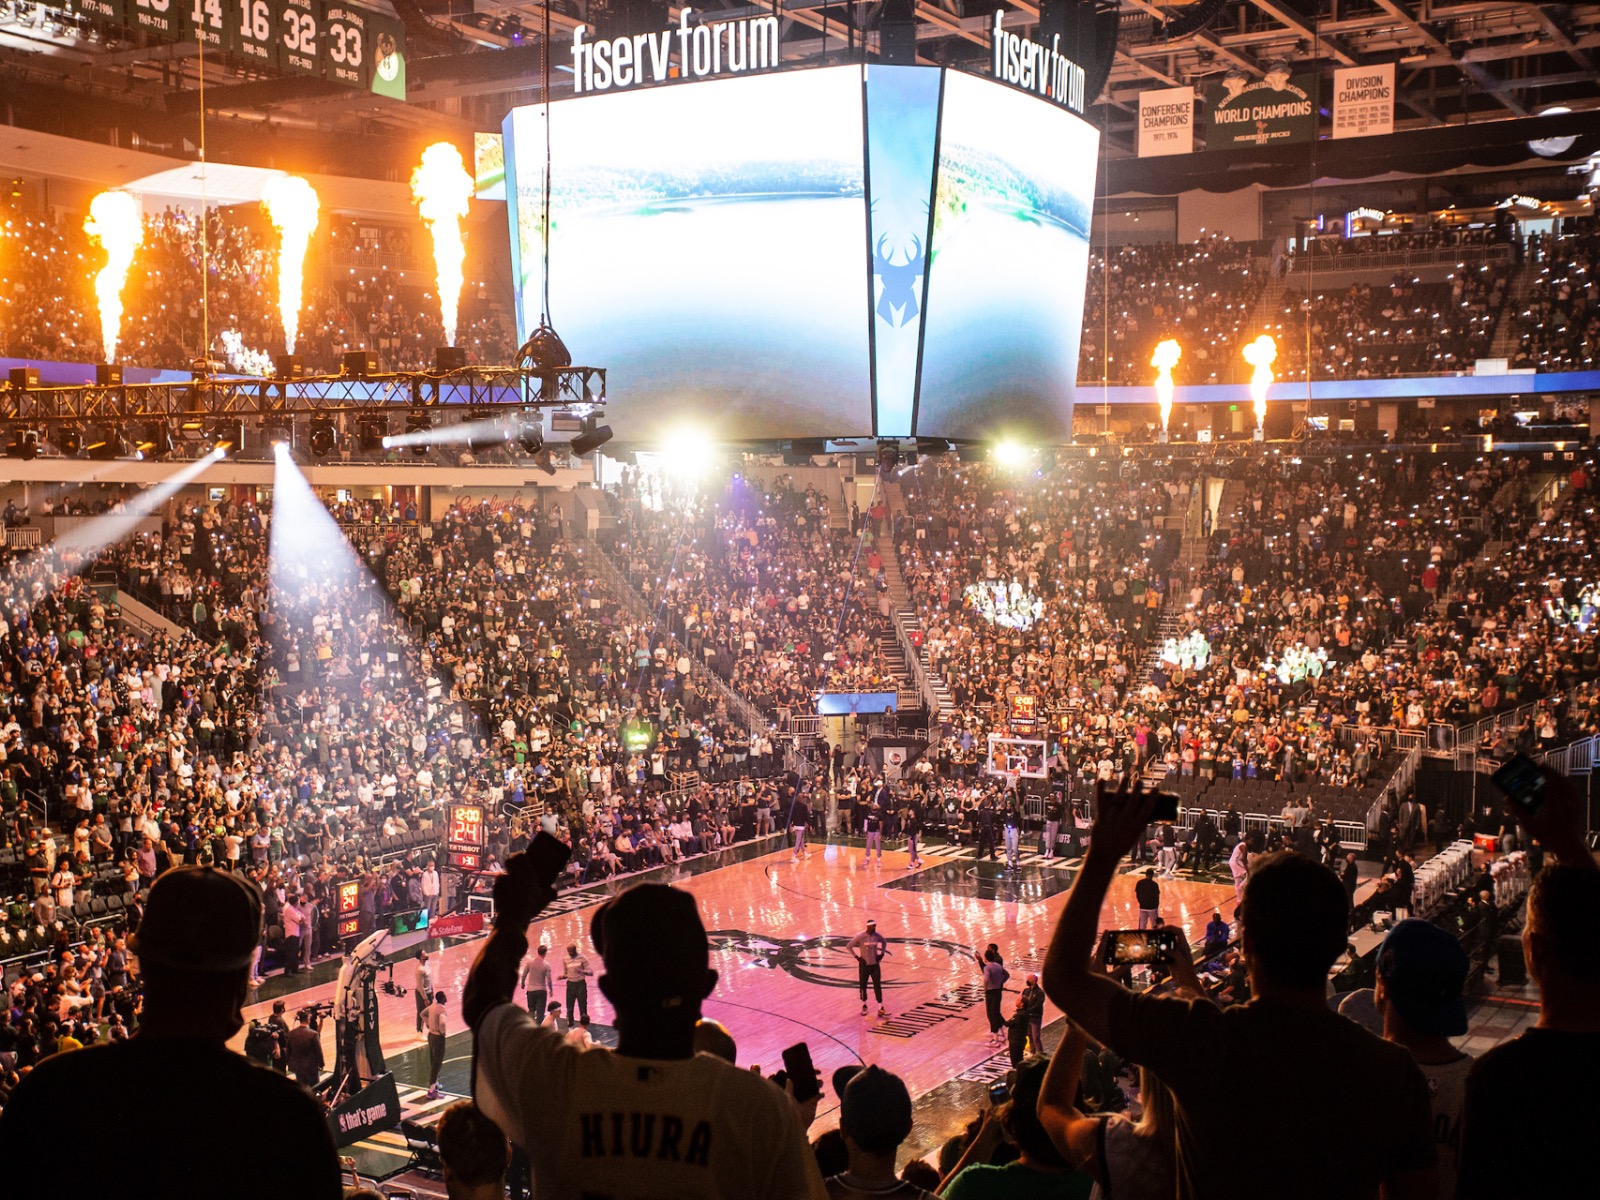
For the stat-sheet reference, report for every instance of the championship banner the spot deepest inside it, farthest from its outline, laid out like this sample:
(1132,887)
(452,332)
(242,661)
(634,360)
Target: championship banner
(1166,122)
(1363,101)
(1275,111)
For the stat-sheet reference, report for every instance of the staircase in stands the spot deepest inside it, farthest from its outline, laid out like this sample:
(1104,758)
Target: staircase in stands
(904,611)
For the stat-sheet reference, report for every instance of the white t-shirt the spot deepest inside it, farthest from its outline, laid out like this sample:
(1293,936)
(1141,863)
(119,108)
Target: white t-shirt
(597,1123)
(1447,1093)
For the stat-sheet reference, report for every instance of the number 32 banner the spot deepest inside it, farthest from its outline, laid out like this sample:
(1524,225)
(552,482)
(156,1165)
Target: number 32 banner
(343,43)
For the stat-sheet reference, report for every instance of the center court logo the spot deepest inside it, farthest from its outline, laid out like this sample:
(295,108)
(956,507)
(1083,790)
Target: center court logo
(820,960)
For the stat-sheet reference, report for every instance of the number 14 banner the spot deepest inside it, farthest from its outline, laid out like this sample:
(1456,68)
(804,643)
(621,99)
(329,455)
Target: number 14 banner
(343,43)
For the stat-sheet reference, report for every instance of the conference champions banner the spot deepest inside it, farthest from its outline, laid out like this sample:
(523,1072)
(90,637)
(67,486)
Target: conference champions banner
(1166,122)
(1363,101)
(1276,110)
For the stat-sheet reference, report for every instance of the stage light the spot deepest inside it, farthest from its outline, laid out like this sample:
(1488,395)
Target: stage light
(280,452)
(530,435)
(372,433)
(277,431)
(591,439)
(107,444)
(324,437)
(155,440)
(546,461)
(417,423)
(69,441)
(686,452)
(1009,454)
(24,445)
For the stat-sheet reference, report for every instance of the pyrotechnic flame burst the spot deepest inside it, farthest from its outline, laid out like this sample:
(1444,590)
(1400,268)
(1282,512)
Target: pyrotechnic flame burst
(115,221)
(1260,354)
(1163,360)
(292,206)
(442,188)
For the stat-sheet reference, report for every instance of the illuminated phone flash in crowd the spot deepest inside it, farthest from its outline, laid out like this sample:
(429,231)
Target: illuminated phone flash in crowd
(1260,354)
(1163,360)
(442,188)
(115,221)
(292,206)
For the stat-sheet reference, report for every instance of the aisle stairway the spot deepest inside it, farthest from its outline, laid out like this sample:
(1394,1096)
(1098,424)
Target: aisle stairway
(1505,333)
(906,616)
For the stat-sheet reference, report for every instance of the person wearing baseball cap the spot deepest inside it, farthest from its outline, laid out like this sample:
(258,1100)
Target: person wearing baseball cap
(654,1117)
(874,1117)
(194,947)
(1420,993)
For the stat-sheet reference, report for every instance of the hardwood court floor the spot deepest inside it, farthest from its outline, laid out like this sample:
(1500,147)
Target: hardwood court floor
(778,930)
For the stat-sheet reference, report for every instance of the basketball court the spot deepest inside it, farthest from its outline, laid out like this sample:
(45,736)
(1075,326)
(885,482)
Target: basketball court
(778,931)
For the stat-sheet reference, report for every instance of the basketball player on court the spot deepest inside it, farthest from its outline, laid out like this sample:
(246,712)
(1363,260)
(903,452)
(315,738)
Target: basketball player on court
(870,947)
(913,829)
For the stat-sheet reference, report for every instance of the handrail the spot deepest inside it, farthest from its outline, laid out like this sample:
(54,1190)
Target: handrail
(919,669)
(747,712)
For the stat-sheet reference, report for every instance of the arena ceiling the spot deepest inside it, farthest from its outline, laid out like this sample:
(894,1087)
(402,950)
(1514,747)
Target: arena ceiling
(1473,76)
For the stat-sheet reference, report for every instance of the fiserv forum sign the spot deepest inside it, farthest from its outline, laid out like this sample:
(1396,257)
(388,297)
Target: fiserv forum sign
(687,52)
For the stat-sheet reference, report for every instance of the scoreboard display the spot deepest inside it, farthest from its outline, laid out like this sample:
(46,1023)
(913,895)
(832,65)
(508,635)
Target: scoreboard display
(465,836)
(343,43)
(349,901)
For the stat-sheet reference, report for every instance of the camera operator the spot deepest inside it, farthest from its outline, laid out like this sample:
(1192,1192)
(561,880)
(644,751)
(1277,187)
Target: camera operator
(654,1116)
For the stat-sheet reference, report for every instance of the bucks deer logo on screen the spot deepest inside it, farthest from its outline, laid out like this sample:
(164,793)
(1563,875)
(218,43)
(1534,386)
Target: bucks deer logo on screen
(897,302)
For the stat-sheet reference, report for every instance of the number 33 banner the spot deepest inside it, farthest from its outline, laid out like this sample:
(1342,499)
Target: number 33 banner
(344,43)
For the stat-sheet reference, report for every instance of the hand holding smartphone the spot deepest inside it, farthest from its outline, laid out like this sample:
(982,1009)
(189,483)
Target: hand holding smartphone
(1125,947)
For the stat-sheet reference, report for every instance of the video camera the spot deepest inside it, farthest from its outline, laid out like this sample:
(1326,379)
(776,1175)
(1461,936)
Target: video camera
(316,1013)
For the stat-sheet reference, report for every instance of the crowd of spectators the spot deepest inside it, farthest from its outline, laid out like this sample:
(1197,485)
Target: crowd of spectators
(1367,331)
(1558,328)
(1202,293)
(48,308)
(762,587)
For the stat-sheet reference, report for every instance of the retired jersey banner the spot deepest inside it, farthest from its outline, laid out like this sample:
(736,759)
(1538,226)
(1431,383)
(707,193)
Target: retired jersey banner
(1276,110)
(1166,122)
(1363,101)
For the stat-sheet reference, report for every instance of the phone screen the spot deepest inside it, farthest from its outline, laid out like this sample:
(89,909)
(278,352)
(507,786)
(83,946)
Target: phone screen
(1122,947)
(1521,781)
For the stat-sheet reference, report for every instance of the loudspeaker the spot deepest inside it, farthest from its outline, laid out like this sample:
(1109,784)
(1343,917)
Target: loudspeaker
(897,32)
(108,374)
(449,358)
(358,364)
(23,378)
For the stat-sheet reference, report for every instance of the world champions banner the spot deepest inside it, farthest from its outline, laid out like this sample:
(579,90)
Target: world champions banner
(1276,110)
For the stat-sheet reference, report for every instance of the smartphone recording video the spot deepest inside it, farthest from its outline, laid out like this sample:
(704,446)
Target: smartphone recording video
(1520,779)
(1124,947)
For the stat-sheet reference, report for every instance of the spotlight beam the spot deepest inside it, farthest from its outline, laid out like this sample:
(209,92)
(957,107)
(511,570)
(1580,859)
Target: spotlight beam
(497,429)
(79,547)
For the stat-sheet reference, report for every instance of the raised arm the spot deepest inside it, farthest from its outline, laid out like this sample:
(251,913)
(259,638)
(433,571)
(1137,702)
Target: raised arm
(1074,1134)
(519,897)
(1121,814)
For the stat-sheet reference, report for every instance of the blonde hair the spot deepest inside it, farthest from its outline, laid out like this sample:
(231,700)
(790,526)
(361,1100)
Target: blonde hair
(1157,1118)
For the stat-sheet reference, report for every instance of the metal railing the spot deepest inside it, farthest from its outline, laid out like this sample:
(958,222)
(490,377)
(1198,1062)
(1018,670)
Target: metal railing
(737,704)
(919,669)
(23,537)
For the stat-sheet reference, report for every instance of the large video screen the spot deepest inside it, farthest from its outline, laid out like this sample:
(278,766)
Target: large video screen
(832,252)
(707,248)
(1012,212)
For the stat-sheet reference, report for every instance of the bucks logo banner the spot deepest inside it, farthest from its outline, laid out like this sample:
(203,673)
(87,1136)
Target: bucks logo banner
(1278,109)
